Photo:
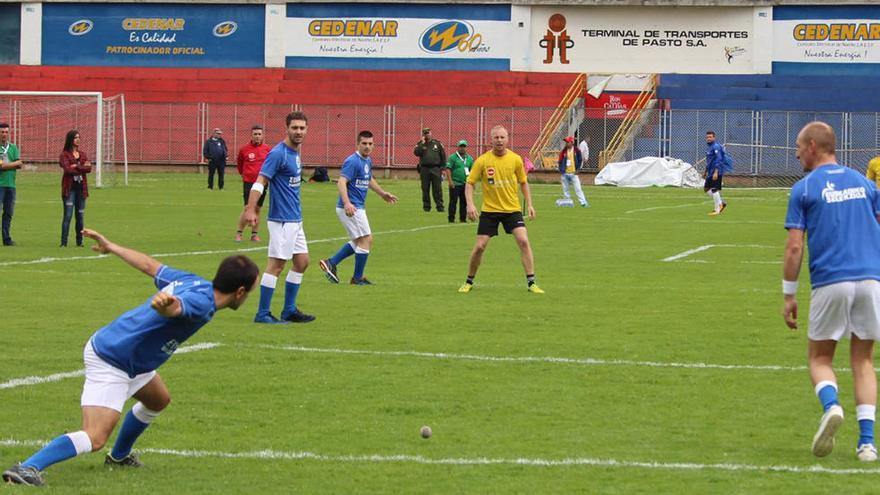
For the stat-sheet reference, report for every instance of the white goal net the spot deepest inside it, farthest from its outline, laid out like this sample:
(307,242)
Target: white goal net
(39,121)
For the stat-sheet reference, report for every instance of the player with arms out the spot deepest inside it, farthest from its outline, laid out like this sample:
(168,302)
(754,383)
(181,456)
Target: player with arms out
(282,172)
(500,171)
(121,358)
(838,210)
(355,179)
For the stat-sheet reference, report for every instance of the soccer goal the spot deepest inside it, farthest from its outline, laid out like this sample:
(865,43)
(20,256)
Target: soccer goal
(39,121)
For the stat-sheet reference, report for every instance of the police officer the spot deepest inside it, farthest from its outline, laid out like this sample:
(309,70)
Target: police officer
(432,159)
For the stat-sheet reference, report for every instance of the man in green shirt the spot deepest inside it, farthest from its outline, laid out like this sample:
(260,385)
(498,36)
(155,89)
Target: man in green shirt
(457,169)
(10,161)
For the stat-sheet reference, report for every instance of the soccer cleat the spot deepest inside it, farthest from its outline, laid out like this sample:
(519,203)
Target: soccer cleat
(131,460)
(238,237)
(714,213)
(22,475)
(329,270)
(465,287)
(723,207)
(297,317)
(867,452)
(823,441)
(360,281)
(255,238)
(267,318)
(534,289)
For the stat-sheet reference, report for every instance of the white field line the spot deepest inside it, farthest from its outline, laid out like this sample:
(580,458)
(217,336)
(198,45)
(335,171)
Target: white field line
(221,251)
(481,461)
(532,359)
(36,380)
(685,254)
(688,205)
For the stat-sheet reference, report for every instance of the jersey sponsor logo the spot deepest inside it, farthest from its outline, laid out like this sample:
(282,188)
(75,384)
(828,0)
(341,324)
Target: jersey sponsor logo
(224,29)
(251,156)
(169,289)
(831,195)
(446,36)
(80,27)
(170,347)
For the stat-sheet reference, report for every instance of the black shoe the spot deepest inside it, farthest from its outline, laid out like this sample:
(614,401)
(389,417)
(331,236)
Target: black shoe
(63,244)
(268,318)
(131,460)
(427,208)
(440,209)
(297,317)
(360,281)
(10,242)
(21,475)
(451,220)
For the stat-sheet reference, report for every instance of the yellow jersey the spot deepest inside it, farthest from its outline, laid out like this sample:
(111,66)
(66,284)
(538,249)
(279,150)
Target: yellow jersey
(873,172)
(500,177)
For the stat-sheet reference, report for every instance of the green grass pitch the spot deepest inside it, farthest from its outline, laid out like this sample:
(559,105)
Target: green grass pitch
(606,384)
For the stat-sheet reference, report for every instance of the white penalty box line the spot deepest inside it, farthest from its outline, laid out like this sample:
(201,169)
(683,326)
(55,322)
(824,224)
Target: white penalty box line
(537,462)
(684,254)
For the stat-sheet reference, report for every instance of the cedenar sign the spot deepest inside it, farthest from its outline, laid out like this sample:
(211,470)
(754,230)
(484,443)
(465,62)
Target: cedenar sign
(718,40)
(153,35)
(397,36)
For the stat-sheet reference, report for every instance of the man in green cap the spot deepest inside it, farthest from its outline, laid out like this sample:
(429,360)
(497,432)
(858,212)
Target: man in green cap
(9,163)
(432,158)
(457,169)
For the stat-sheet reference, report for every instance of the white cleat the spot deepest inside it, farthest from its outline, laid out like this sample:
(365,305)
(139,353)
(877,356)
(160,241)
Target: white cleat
(823,441)
(867,452)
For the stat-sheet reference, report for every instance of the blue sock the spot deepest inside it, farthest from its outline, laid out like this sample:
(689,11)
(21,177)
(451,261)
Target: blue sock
(291,289)
(129,432)
(344,252)
(267,289)
(827,393)
(360,262)
(866,431)
(57,450)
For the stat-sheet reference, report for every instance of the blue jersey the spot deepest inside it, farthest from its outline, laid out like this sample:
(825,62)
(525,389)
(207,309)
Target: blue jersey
(838,209)
(141,339)
(714,159)
(358,170)
(283,169)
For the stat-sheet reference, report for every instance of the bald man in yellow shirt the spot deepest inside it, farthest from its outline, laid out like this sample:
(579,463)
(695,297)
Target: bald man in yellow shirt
(873,172)
(500,173)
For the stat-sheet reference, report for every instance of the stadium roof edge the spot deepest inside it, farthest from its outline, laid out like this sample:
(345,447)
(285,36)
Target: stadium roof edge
(692,3)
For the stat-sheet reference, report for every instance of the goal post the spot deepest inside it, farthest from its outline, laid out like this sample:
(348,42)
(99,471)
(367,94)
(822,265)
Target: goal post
(39,121)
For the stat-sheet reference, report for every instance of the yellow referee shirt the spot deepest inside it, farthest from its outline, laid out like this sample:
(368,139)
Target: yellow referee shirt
(873,172)
(501,177)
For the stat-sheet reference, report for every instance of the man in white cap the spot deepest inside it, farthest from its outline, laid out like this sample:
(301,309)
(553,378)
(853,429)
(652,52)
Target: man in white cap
(458,166)
(215,152)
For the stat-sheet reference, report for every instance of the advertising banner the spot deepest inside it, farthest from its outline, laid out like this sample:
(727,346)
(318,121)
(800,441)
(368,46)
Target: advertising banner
(612,105)
(10,33)
(806,39)
(397,36)
(714,40)
(153,35)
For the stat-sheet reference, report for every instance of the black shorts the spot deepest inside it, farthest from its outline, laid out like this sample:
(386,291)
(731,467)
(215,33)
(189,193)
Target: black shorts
(489,222)
(246,189)
(713,184)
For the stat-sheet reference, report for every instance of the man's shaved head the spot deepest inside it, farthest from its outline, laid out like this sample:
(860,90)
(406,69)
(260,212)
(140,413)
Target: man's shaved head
(816,144)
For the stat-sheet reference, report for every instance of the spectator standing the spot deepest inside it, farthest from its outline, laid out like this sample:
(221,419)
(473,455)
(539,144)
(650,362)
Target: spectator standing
(584,148)
(432,158)
(10,161)
(215,152)
(570,162)
(74,186)
(249,162)
(458,166)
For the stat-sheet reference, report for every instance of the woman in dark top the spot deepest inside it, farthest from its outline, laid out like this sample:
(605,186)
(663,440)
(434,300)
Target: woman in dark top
(74,185)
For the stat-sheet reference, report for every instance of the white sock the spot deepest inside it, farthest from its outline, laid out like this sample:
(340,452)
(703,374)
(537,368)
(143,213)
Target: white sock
(819,386)
(294,277)
(144,415)
(865,411)
(716,197)
(359,250)
(269,281)
(81,442)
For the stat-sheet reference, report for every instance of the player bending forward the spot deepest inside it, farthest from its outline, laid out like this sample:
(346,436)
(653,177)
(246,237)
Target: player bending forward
(121,358)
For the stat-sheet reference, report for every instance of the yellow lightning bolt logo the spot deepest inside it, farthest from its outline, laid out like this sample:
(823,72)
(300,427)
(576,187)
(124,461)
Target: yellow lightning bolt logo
(224,29)
(447,38)
(80,27)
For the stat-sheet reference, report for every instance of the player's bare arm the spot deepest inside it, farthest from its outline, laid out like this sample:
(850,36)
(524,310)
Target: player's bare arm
(469,195)
(251,215)
(137,259)
(527,195)
(791,267)
(349,208)
(387,196)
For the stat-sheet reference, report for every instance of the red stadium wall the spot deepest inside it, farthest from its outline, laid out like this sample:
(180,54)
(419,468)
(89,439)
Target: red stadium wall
(305,86)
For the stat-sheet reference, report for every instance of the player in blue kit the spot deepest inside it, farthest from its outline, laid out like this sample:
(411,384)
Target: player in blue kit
(355,179)
(121,358)
(282,172)
(838,210)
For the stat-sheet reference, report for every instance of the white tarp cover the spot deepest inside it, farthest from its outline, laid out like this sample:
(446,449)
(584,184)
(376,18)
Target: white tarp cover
(650,171)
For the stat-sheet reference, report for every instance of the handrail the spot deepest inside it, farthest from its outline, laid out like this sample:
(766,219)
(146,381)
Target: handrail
(575,91)
(632,115)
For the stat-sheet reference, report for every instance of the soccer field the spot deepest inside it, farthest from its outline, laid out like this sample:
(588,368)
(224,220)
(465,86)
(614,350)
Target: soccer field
(656,361)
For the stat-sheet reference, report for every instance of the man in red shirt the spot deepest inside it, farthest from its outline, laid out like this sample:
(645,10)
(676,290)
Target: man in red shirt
(250,160)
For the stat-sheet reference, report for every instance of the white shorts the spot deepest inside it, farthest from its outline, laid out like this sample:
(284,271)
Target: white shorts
(356,225)
(286,239)
(845,308)
(107,386)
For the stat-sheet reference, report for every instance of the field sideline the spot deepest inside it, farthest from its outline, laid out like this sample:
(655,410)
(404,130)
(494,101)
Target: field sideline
(656,361)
